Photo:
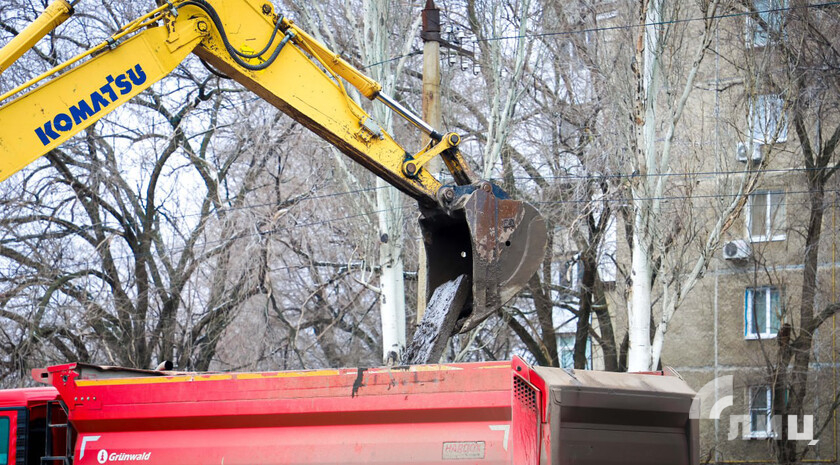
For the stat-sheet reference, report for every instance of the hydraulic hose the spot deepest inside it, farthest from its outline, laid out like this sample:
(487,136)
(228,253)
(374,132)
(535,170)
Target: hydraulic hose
(236,54)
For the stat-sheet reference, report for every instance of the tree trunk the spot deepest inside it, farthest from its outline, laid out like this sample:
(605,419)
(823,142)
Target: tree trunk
(388,199)
(589,260)
(545,307)
(606,339)
(639,310)
(791,384)
(391,282)
(639,315)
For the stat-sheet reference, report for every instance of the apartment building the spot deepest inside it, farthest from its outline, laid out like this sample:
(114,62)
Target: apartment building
(754,101)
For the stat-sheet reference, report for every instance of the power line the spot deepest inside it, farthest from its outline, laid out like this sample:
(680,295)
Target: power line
(682,197)
(583,177)
(624,26)
(273,231)
(682,174)
(557,177)
(527,178)
(243,235)
(399,57)
(663,23)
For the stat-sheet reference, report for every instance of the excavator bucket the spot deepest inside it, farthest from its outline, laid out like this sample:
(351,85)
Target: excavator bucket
(497,242)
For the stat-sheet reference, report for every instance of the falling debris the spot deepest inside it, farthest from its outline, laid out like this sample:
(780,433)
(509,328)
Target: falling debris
(438,322)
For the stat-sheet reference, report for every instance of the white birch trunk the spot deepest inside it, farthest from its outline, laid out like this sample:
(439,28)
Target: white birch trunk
(644,355)
(389,214)
(506,93)
(391,281)
(639,311)
(638,319)
(388,199)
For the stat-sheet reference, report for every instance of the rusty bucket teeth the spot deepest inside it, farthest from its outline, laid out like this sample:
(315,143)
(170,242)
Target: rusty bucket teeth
(499,243)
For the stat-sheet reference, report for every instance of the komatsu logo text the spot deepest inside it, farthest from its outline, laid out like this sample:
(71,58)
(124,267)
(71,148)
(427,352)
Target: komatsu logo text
(64,122)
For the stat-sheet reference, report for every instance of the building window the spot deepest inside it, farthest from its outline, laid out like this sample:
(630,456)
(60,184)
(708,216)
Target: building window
(762,313)
(566,351)
(766,216)
(761,412)
(767,118)
(770,23)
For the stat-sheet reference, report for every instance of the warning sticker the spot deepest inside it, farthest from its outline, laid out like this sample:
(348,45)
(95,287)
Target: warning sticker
(463,450)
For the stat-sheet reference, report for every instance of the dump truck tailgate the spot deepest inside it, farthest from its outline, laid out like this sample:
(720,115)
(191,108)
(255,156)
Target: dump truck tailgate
(599,418)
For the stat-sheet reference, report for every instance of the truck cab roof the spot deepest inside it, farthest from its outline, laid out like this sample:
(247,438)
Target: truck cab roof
(27,397)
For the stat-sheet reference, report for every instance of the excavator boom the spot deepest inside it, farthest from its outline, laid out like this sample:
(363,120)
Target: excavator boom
(470,228)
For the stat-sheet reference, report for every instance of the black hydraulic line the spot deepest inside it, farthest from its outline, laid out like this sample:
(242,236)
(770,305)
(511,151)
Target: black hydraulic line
(235,54)
(265,49)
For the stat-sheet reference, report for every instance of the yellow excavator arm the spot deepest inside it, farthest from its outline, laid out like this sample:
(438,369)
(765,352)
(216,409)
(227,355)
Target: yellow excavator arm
(470,228)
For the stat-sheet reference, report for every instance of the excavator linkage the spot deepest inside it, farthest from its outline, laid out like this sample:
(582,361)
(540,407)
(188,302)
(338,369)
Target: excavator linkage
(475,236)
(498,243)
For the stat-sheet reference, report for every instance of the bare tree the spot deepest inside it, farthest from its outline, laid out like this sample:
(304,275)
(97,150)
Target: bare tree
(125,245)
(797,63)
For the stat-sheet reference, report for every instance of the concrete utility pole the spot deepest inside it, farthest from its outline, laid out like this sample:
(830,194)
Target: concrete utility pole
(432,115)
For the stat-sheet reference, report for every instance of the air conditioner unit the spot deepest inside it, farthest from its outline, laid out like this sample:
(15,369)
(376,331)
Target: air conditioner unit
(742,152)
(736,250)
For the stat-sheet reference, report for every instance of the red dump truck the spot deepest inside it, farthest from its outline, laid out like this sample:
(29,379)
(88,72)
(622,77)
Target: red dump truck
(474,413)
